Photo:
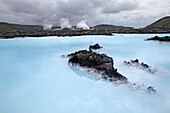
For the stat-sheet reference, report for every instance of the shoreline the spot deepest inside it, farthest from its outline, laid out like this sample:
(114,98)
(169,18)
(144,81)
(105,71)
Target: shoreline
(69,33)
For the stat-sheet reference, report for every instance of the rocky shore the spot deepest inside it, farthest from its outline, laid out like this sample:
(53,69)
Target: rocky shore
(5,35)
(157,38)
(77,32)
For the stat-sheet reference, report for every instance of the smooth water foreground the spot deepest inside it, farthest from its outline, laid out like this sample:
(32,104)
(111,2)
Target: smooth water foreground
(34,78)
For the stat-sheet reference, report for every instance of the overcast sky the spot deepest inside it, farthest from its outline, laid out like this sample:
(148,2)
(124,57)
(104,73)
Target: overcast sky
(134,13)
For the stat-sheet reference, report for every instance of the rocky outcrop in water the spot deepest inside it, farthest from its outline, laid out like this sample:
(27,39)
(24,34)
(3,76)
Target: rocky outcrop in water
(157,38)
(100,62)
(94,47)
(103,66)
(151,89)
(142,65)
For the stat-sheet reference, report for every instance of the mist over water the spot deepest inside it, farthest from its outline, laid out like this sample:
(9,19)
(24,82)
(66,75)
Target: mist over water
(34,78)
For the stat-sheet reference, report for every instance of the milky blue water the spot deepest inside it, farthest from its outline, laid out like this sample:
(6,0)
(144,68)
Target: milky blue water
(34,78)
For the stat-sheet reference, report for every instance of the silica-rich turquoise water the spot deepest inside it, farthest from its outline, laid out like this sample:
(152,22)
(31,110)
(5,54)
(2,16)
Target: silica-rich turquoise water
(34,78)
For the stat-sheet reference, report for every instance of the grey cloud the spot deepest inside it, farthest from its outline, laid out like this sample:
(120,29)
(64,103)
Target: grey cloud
(118,6)
(119,12)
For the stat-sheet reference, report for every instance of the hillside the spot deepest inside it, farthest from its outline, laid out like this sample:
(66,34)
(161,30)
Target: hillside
(163,23)
(12,27)
(111,27)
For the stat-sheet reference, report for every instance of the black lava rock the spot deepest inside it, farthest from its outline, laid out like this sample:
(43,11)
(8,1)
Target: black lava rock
(94,47)
(100,62)
(157,38)
(142,65)
(151,89)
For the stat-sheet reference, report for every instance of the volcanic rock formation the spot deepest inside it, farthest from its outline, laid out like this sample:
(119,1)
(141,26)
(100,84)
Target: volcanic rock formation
(157,38)
(100,62)
(142,65)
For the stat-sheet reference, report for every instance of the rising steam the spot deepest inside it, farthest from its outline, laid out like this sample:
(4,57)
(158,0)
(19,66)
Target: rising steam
(47,26)
(82,25)
(64,23)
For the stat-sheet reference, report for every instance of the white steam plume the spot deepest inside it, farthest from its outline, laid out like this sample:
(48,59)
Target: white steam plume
(47,26)
(82,25)
(64,23)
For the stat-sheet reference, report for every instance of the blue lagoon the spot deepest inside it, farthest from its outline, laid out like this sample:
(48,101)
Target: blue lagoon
(34,78)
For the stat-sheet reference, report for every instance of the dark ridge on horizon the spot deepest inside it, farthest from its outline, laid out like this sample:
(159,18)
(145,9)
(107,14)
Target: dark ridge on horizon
(110,27)
(163,23)
(4,26)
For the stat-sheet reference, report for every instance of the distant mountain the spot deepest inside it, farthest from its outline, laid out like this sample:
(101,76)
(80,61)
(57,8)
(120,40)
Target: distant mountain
(17,27)
(111,27)
(163,23)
